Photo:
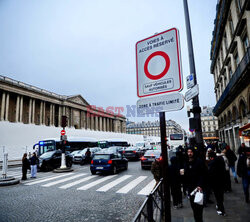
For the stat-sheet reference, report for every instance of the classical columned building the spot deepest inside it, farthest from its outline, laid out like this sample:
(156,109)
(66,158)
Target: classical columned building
(20,102)
(230,65)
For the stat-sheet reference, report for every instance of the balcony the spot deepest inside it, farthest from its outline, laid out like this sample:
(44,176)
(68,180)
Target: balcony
(239,81)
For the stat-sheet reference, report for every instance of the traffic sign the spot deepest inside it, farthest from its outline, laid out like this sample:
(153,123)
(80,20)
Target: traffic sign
(63,132)
(160,103)
(190,81)
(192,93)
(158,64)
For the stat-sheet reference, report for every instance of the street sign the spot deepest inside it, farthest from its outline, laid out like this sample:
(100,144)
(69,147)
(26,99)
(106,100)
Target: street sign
(63,132)
(63,137)
(190,81)
(192,93)
(158,64)
(160,103)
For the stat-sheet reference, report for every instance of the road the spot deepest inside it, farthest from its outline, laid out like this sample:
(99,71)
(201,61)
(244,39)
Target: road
(76,196)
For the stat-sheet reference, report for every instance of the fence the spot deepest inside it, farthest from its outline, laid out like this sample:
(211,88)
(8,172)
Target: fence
(152,209)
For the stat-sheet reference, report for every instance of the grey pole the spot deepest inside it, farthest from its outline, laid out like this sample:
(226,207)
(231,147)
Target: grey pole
(196,106)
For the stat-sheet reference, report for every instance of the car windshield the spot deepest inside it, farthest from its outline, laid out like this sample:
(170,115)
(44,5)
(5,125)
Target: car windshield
(47,154)
(153,152)
(83,151)
(101,157)
(75,152)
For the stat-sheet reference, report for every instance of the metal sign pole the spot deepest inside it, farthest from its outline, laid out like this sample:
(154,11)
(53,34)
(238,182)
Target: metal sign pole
(164,153)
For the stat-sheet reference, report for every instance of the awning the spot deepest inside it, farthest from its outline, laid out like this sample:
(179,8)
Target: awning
(245,130)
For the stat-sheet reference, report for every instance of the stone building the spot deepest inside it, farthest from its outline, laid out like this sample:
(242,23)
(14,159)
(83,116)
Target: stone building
(153,128)
(209,124)
(20,102)
(230,59)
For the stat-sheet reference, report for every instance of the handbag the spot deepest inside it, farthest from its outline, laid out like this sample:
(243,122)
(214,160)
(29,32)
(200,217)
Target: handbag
(198,199)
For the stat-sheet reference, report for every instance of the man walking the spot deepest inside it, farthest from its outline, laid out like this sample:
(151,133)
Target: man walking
(195,172)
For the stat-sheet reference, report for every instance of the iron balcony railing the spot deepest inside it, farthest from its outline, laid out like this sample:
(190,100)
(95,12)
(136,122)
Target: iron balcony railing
(239,72)
(152,210)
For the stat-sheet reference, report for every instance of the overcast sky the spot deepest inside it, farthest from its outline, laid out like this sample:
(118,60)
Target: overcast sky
(88,47)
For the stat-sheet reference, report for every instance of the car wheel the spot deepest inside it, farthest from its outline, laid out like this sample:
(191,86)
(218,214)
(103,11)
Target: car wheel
(114,170)
(93,172)
(82,162)
(69,164)
(126,167)
(142,167)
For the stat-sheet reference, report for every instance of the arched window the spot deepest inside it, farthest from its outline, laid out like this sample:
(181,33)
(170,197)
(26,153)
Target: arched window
(243,109)
(235,113)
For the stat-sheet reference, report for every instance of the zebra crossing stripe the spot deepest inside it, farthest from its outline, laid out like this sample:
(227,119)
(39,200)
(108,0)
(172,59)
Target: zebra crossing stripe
(48,179)
(77,182)
(63,180)
(131,185)
(147,189)
(113,183)
(85,187)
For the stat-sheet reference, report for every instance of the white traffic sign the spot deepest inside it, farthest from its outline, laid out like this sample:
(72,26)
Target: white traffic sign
(158,64)
(160,103)
(190,81)
(192,93)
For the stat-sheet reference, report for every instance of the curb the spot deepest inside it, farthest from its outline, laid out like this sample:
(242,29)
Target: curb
(63,170)
(8,181)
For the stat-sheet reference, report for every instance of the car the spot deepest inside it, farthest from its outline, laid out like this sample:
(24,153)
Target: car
(133,153)
(149,157)
(108,162)
(75,152)
(117,149)
(52,160)
(80,157)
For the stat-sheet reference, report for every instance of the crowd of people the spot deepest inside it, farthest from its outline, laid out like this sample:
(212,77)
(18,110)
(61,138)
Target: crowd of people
(206,171)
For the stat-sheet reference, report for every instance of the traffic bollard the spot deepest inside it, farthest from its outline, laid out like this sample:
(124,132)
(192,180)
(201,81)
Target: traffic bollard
(5,165)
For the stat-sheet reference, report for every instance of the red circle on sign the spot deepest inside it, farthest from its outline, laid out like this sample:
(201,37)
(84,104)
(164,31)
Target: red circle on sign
(167,60)
(63,132)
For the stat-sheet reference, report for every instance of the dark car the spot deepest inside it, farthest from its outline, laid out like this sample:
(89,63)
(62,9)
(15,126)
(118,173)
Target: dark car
(52,159)
(133,153)
(108,162)
(80,157)
(149,157)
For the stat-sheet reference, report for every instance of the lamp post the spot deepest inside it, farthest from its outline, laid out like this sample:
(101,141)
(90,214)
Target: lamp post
(195,102)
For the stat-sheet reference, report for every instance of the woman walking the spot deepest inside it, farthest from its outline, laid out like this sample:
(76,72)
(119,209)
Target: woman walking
(33,163)
(25,166)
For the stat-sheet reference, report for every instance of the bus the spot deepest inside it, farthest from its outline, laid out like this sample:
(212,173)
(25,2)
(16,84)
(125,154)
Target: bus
(74,143)
(175,140)
(106,143)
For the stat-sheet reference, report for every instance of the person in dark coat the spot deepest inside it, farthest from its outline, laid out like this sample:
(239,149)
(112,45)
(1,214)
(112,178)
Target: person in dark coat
(25,166)
(243,171)
(231,161)
(175,182)
(156,170)
(241,149)
(181,159)
(195,172)
(33,164)
(216,178)
(87,156)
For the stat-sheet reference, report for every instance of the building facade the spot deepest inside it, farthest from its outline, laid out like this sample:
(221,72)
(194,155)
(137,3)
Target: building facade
(230,66)
(209,124)
(153,128)
(20,102)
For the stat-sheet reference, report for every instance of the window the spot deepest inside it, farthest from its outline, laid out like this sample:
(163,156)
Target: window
(209,129)
(245,42)
(231,25)
(238,6)
(225,40)
(230,70)
(236,58)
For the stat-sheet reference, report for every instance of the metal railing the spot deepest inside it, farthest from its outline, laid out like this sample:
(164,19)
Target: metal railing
(152,209)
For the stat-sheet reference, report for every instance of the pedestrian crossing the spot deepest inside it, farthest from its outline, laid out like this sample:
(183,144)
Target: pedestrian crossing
(120,184)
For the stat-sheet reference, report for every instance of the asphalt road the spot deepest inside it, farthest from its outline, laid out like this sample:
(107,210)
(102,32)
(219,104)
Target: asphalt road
(76,196)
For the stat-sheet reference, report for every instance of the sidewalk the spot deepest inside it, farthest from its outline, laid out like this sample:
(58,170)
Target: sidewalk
(236,208)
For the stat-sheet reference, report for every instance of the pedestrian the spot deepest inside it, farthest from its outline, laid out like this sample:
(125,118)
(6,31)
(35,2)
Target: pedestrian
(25,166)
(241,148)
(33,165)
(227,187)
(216,178)
(175,183)
(181,159)
(231,161)
(87,156)
(195,172)
(243,171)
(207,189)
(156,170)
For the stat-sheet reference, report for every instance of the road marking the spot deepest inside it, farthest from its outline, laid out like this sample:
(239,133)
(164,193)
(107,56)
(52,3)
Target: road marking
(131,185)
(147,189)
(63,180)
(47,179)
(77,182)
(85,187)
(113,183)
